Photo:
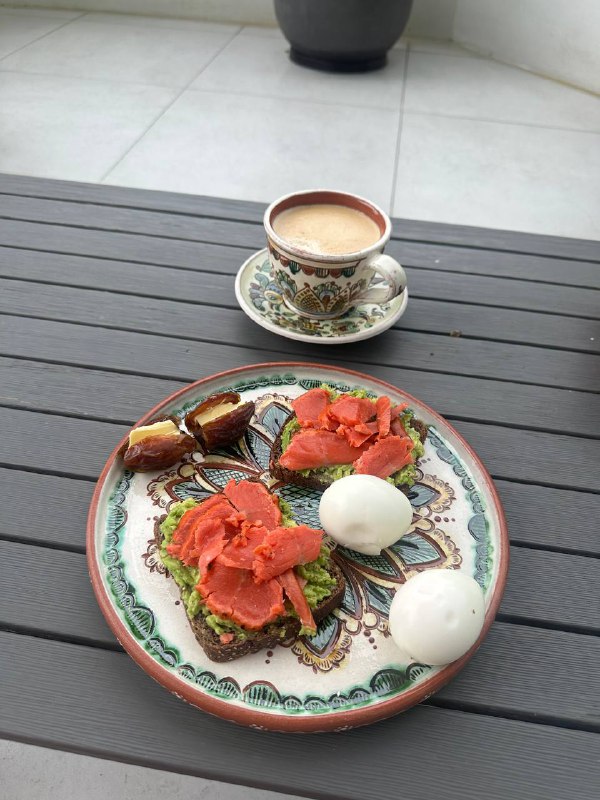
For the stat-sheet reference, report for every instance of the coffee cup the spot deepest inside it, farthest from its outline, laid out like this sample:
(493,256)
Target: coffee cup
(325,250)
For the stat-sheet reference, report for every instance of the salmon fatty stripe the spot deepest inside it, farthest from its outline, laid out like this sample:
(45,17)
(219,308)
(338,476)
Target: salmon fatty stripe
(255,501)
(284,548)
(359,434)
(232,593)
(348,410)
(309,407)
(310,449)
(385,457)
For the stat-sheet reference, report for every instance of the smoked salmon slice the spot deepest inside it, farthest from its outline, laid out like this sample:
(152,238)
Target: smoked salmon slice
(291,586)
(183,538)
(211,535)
(309,407)
(348,410)
(397,428)
(310,449)
(283,548)
(385,457)
(239,551)
(359,434)
(384,415)
(231,593)
(255,501)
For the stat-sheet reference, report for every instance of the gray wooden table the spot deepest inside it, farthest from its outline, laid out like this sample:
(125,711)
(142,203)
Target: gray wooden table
(112,298)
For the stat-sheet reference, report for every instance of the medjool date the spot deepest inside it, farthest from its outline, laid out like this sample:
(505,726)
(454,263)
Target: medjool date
(219,420)
(158,444)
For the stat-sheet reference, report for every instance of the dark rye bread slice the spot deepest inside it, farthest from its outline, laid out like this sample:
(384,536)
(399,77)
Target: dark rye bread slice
(282,632)
(315,481)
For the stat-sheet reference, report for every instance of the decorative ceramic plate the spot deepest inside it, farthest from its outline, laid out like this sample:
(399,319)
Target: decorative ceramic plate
(261,300)
(350,673)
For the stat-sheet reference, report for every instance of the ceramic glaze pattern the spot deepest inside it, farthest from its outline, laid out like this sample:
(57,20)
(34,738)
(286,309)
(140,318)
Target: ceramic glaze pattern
(263,300)
(314,289)
(352,662)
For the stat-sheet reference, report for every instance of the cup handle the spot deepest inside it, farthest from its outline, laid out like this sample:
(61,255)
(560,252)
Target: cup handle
(392,273)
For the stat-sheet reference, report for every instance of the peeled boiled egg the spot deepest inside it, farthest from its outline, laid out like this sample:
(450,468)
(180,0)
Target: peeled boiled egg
(437,616)
(364,513)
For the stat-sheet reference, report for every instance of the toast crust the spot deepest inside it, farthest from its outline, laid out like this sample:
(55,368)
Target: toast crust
(318,482)
(283,632)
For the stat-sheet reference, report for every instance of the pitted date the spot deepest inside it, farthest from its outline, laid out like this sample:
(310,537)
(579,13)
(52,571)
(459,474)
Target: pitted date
(165,418)
(226,428)
(158,452)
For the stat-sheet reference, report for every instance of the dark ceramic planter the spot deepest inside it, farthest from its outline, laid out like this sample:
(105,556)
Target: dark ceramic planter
(342,35)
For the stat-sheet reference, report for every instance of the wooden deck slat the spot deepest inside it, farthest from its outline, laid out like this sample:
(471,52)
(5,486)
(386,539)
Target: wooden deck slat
(52,511)
(427,316)
(546,587)
(117,397)
(211,275)
(462,356)
(189,253)
(444,312)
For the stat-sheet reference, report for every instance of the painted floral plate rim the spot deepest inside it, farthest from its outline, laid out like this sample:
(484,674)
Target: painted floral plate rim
(256,701)
(261,301)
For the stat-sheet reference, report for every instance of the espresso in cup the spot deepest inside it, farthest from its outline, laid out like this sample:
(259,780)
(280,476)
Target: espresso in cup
(326,229)
(325,248)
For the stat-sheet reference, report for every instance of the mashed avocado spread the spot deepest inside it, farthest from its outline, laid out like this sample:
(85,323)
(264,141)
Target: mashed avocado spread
(405,476)
(319,583)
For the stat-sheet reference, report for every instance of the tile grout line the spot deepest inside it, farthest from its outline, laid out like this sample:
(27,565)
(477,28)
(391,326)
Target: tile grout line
(492,121)
(399,134)
(165,19)
(169,105)
(43,36)
(312,101)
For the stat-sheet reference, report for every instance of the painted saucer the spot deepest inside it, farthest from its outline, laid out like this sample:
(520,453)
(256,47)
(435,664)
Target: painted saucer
(260,299)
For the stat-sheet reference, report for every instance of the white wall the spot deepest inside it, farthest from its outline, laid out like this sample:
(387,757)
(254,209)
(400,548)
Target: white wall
(556,38)
(429,18)
(433,19)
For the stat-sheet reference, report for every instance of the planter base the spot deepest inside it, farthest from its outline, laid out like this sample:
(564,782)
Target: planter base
(332,65)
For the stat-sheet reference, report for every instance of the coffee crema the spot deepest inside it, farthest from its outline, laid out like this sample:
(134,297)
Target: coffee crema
(326,229)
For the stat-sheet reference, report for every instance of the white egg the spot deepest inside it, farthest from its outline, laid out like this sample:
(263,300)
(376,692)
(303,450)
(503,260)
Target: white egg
(365,513)
(437,616)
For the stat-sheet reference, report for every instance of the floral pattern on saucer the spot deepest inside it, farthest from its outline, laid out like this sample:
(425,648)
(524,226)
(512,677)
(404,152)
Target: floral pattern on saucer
(262,299)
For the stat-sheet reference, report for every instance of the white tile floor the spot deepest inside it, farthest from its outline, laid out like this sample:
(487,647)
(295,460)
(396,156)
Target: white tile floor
(189,106)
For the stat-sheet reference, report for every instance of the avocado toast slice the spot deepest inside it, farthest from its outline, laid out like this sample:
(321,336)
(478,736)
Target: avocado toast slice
(222,637)
(362,428)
